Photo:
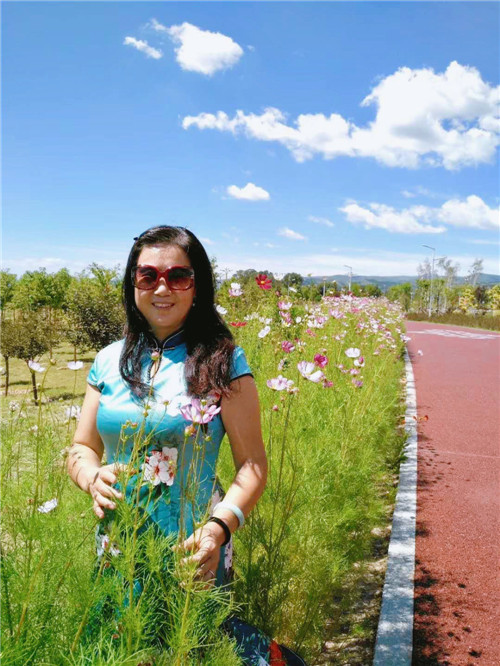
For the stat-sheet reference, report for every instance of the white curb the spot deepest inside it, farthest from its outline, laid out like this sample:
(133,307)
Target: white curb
(395,627)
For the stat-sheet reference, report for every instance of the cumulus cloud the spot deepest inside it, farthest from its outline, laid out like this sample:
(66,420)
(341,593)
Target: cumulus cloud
(250,192)
(143,47)
(207,241)
(471,212)
(321,220)
(199,50)
(447,119)
(290,233)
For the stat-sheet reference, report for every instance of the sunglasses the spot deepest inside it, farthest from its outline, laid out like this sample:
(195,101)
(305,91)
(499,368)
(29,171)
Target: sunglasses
(178,278)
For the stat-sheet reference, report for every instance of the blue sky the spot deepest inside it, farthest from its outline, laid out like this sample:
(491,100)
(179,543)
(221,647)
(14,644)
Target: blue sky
(289,136)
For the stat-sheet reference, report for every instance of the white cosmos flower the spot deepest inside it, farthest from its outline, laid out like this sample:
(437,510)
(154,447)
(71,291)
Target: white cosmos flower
(352,352)
(308,371)
(35,366)
(221,310)
(75,365)
(264,331)
(48,506)
(73,412)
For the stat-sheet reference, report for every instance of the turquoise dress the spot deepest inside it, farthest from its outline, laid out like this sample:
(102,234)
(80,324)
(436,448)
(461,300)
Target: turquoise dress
(174,504)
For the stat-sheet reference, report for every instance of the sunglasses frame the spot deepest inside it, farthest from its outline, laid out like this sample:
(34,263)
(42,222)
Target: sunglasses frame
(161,274)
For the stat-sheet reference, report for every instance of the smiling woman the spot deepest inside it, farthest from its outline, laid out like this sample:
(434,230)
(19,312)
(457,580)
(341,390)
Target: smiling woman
(179,374)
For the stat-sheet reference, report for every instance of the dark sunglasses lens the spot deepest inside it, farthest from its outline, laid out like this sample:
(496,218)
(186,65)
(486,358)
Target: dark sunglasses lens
(145,277)
(181,278)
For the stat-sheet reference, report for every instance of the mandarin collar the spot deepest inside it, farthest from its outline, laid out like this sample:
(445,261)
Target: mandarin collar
(171,342)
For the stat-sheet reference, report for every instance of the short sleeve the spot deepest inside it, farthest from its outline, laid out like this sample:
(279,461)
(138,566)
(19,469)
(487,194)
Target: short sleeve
(94,377)
(240,366)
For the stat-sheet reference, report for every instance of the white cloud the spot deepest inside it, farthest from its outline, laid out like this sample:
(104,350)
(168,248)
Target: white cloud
(472,212)
(321,220)
(250,192)
(199,50)
(144,47)
(484,242)
(447,119)
(207,241)
(290,233)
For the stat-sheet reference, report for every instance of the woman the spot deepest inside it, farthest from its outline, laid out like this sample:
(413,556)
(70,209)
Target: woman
(176,348)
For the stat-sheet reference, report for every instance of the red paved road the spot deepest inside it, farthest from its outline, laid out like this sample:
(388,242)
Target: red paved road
(457,583)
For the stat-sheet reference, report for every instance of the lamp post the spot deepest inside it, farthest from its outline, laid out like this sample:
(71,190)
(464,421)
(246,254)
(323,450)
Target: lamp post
(350,275)
(432,275)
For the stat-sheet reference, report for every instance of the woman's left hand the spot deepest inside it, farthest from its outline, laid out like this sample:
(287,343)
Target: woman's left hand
(205,545)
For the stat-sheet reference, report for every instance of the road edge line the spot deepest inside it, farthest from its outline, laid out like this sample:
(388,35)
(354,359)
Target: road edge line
(395,627)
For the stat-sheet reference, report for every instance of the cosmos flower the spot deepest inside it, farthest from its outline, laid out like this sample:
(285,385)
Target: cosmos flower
(280,383)
(48,506)
(352,352)
(263,282)
(360,362)
(264,331)
(75,365)
(221,310)
(237,324)
(160,466)
(73,412)
(284,305)
(34,366)
(320,360)
(235,289)
(199,411)
(287,346)
(104,545)
(308,371)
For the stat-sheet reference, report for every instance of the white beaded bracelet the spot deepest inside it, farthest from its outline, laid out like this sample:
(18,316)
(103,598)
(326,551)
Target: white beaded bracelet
(232,507)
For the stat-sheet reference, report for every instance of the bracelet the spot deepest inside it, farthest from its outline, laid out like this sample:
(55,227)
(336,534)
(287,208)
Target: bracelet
(222,524)
(234,509)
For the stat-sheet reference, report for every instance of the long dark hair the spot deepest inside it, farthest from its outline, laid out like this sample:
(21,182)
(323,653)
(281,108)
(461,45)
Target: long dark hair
(209,342)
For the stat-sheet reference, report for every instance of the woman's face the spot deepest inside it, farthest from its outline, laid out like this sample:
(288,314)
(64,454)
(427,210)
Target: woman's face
(164,309)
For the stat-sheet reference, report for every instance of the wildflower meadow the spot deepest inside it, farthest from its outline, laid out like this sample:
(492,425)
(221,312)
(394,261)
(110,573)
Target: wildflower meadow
(331,387)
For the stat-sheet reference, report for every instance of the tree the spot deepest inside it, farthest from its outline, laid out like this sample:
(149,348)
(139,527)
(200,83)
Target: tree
(95,313)
(7,287)
(401,293)
(424,270)
(293,280)
(27,338)
(475,272)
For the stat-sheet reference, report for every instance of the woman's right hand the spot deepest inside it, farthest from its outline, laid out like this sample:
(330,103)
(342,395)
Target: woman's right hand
(100,487)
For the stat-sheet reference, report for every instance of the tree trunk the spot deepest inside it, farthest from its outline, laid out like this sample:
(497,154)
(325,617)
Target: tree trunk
(33,383)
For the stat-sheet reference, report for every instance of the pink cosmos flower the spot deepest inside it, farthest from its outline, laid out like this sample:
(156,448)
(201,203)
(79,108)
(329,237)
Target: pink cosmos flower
(357,383)
(311,333)
(320,360)
(327,383)
(199,411)
(287,346)
(352,352)
(360,362)
(284,305)
(280,383)
(308,371)
(160,466)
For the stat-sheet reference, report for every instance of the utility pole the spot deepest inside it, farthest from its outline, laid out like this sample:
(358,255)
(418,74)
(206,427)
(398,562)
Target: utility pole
(324,285)
(350,275)
(432,276)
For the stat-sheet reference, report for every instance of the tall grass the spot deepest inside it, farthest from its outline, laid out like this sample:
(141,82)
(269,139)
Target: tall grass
(331,450)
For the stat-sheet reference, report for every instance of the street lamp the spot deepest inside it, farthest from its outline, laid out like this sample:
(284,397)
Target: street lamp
(432,275)
(350,275)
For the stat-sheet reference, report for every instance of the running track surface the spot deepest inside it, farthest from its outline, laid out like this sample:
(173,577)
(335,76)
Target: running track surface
(457,583)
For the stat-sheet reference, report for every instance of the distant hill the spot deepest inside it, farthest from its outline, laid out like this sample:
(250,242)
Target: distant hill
(384,282)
